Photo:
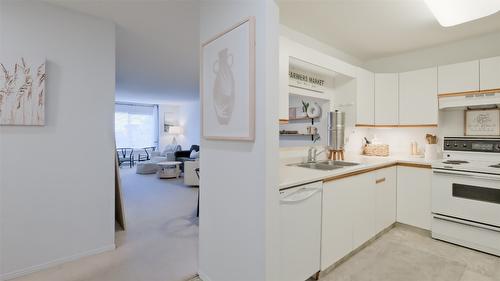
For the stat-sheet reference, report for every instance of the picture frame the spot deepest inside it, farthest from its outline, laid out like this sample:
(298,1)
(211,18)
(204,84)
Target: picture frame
(23,92)
(482,122)
(227,84)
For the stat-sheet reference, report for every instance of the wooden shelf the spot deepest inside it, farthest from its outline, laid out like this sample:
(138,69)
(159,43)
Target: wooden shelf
(397,126)
(308,93)
(302,118)
(299,135)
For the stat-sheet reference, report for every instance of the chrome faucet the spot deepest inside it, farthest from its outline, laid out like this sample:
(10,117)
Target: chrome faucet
(312,154)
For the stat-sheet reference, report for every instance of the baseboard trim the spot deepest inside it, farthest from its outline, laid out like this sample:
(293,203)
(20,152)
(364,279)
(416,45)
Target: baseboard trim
(36,268)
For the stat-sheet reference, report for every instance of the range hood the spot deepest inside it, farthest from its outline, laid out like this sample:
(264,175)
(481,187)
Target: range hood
(461,101)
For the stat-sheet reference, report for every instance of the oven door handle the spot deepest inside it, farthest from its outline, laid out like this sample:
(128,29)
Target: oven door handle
(466,174)
(464,222)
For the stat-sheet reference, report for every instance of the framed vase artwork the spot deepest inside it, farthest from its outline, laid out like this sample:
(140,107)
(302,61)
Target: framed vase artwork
(228,84)
(482,122)
(22,92)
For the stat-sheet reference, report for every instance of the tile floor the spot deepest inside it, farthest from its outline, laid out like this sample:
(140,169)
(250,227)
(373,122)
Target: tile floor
(406,254)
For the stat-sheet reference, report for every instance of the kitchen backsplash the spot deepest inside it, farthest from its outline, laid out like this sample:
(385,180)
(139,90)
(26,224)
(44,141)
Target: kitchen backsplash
(398,139)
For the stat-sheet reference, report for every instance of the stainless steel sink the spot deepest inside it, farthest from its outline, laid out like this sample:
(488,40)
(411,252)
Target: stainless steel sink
(338,163)
(325,165)
(317,166)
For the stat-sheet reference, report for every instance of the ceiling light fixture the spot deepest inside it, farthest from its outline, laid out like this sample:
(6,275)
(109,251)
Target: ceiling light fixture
(454,12)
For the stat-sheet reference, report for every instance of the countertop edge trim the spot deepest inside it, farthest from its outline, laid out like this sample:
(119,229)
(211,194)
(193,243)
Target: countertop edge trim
(364,171)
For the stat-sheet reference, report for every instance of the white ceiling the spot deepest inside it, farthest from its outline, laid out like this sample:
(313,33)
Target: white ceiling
(157,43)
(157,46)
(369,29)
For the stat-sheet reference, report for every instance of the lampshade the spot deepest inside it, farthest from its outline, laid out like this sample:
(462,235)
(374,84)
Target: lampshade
(176,130)
(454,12)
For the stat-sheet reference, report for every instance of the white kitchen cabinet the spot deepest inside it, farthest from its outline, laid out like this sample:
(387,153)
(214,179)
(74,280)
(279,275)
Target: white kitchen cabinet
(385,182)
(459,77)
(414,196)
(284,65)
(386,99)
(365,98)
(336,231)
(489,73)
(418,103)
(363,206)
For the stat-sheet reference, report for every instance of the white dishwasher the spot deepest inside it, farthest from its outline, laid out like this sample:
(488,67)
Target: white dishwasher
(300,218)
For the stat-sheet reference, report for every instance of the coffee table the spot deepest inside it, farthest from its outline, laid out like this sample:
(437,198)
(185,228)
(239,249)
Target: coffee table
(169,169)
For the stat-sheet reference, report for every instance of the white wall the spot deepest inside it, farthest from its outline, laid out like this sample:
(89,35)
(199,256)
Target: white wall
(1,151)
(58,179)
(465,50)
(317,45)
(239,215)
(189,120)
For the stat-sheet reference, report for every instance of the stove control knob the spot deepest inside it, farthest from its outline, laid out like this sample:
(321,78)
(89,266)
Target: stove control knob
(464,145)
(455,145)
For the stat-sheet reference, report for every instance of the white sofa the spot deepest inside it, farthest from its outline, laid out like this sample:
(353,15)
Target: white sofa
(151,167)
(190,177)
(167,154)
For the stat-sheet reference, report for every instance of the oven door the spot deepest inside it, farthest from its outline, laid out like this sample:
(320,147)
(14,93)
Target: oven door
(469,196)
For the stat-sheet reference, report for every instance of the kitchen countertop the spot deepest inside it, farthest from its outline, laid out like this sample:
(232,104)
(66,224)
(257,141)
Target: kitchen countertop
(293,176)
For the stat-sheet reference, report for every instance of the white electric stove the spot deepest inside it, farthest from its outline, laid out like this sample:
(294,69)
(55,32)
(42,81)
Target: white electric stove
(466,193)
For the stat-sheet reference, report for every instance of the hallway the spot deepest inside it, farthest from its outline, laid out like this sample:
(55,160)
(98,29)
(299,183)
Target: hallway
(161,242)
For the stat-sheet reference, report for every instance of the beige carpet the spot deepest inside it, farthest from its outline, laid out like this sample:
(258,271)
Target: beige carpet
(161,243)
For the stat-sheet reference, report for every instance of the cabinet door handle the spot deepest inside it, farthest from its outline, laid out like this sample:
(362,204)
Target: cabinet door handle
(380,180)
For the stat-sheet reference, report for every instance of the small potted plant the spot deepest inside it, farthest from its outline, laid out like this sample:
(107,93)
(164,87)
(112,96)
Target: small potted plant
(305,106)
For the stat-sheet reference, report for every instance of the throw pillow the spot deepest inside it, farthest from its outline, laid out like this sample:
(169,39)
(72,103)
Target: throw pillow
(194,154)
(169,148)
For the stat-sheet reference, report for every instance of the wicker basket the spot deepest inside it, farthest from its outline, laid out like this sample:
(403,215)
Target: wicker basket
(376,150)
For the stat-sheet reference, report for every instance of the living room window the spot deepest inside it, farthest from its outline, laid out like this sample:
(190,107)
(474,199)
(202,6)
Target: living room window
(136,125)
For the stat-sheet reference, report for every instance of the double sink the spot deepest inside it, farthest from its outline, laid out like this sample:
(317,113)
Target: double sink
(326,165)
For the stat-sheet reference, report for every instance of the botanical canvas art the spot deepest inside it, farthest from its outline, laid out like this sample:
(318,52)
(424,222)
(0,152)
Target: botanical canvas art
(22,93)
(228,84)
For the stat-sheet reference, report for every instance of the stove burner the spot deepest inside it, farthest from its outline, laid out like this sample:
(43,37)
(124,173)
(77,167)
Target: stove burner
(455,162)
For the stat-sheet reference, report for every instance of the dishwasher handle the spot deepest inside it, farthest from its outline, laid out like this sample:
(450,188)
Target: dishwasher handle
(300,195)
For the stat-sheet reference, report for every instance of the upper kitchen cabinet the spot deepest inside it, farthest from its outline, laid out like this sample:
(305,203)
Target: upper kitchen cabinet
(386,99)
(418,104)
(458,78)
(490,73)
(365,98)
(284,64)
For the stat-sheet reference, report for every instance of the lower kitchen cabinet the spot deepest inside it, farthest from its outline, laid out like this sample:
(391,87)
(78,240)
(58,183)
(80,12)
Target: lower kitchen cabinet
(355,209)
(385,198)
(414,196)
(363,207)
(336,231)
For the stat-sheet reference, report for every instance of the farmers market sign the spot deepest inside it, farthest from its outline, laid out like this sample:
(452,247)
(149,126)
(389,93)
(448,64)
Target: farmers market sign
(309,82)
